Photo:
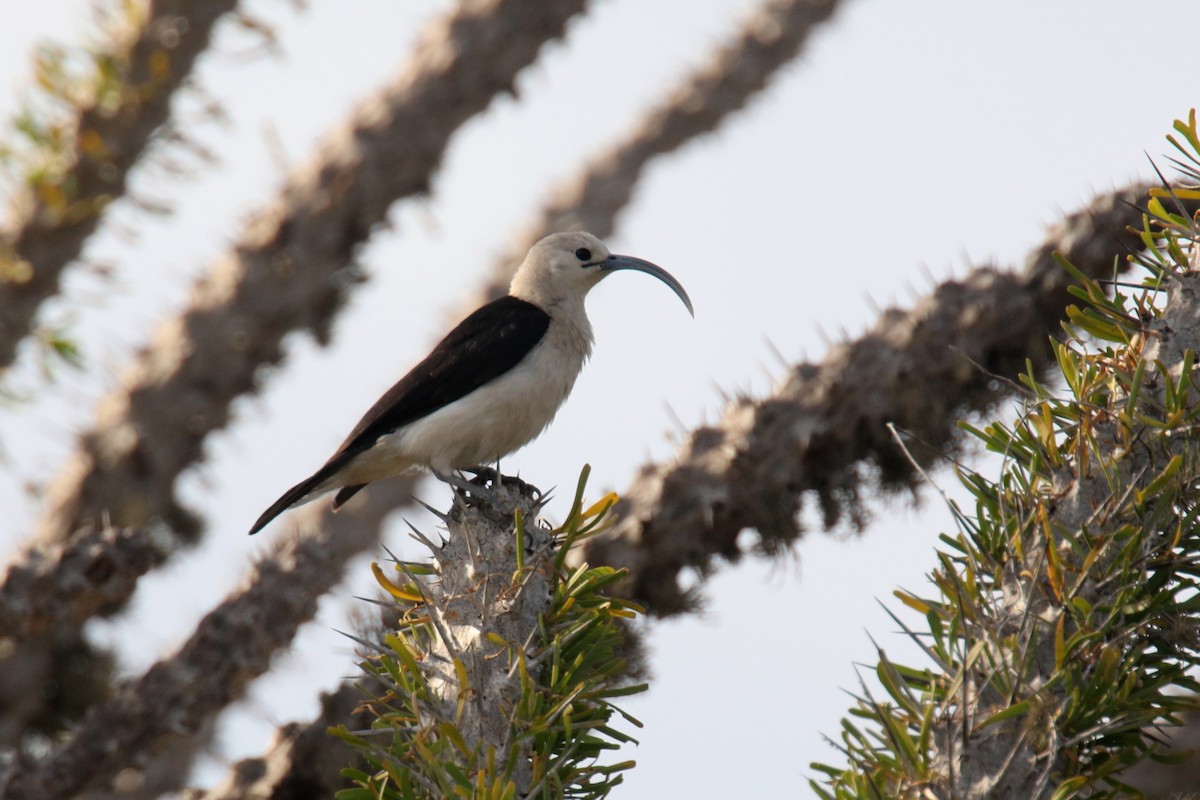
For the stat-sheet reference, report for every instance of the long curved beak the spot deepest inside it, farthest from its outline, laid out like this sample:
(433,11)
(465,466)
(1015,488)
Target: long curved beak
(615,262)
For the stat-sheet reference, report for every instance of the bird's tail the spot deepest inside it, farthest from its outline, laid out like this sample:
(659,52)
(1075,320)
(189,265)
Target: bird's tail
(302,492)
(326,479)
(345,493)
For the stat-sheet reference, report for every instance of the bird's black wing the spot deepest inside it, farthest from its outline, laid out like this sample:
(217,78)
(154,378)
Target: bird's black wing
(481,348)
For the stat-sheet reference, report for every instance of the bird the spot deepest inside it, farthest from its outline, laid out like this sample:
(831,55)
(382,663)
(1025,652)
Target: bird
(491,386)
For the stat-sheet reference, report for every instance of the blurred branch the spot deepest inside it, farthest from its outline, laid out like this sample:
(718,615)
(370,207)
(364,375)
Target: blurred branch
(231,646)
(820,432)
(302,762)
(770,38)
(65,585)
(166,776)
(62,207)
(290,270)
(68,585)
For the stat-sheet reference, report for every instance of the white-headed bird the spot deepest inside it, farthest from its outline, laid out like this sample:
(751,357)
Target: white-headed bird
(491,386)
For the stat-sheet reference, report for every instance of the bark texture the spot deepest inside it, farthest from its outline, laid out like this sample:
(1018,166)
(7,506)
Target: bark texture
(66,585)
(476,600)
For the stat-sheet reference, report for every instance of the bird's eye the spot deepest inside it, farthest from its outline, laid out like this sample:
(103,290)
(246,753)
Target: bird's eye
(583,254)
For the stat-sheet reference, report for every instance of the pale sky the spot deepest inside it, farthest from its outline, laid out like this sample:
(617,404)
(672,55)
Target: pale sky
(910,141)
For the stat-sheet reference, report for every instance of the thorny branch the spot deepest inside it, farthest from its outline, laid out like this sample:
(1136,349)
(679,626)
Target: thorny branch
(109,140)
(819,432)
(231,646)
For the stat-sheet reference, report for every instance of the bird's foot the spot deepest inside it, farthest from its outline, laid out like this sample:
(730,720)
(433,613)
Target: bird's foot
(490,487)
(471,492)
(486,475)
(457,481)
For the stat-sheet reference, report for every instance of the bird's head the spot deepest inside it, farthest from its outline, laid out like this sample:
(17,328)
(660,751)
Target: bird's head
(561,269)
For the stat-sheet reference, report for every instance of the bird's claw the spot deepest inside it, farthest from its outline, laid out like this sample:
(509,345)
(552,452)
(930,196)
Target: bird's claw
(482,486)
(486,475)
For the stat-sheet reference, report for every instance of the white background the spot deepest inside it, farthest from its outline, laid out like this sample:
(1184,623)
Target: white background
(909,142)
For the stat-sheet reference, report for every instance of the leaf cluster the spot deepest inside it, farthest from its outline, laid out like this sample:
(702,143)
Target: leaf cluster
(570,673)
(1062,632)
(46,139)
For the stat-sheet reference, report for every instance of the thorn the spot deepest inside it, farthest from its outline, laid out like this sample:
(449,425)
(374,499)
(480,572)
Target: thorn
(436,550)
(364,642)
(924,269)
(872,304)
(823,336)
(680,430)
(445,518)
(374,601)
(777,354)
(546,497)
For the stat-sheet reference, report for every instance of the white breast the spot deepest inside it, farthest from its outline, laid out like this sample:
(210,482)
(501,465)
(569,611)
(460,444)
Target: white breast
(492,421)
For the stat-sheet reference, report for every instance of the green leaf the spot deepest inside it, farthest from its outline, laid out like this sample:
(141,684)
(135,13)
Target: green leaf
(1060,647)
(1156,486)
(1069,787)
(1012,712)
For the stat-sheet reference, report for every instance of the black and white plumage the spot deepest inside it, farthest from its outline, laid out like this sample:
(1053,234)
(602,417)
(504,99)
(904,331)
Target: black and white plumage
(491,386)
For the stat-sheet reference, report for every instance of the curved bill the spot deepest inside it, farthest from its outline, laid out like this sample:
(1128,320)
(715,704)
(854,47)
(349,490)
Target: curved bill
(615,262)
